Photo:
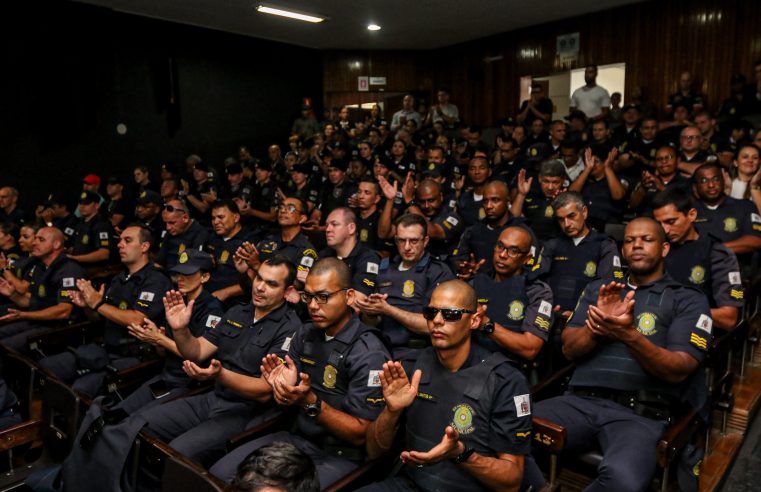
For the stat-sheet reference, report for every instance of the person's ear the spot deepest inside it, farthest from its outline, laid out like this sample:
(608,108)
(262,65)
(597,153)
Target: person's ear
(666,249)
(351,297)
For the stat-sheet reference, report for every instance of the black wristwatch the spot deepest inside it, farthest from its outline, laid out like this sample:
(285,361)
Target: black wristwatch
(488,327)
(312,410)
(410,203)
(463,457)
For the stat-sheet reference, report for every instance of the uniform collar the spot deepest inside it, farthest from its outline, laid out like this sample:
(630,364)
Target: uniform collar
(348,331)
(274,315)
(420,264)
(125,275)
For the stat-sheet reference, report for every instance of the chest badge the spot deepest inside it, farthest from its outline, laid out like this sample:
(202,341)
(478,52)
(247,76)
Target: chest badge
(123,305)
(329,376)
(515,311)
(590,269)
(224,256)
(183,257)
(646,324)
(697,275)
(41,291)
(481,213)
(462,420)
(85,239)
(548,212)
(408,289)
(730,224)
(363,235)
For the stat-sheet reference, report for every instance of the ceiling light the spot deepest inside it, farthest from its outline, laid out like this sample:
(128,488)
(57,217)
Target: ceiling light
(373,27)
(291,14)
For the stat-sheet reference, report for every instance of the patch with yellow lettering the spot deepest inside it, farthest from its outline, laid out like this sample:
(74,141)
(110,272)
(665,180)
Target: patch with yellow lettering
(646,323)
(408,289)
(329,377)
(462,420)
(309,362)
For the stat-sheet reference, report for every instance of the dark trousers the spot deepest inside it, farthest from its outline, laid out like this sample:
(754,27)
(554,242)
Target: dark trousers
(65,367)
(15,334)
(329,468)
(627,441)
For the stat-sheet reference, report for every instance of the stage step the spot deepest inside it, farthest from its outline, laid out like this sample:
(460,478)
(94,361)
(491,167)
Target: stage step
(723,452)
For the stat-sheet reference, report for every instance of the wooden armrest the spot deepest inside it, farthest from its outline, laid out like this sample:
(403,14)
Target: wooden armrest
(63,336)
(548,435)
(23,433)
(676,436)
(344,482)
(538,390)
(145,368)
(278,422)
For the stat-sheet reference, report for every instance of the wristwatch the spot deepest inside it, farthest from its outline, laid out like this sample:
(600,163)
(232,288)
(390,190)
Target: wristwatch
(488,327)
(410,203)
(312,410)
(463,457)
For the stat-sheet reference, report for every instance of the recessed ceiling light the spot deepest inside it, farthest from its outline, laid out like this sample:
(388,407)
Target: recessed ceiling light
(373,27)
(291,14)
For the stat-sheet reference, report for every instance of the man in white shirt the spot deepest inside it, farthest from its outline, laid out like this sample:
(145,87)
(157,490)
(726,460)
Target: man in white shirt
(405,114)
(592,99)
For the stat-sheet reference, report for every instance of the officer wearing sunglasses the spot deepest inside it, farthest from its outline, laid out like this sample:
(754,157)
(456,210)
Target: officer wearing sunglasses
(467,409)
(182,233)
(518,309)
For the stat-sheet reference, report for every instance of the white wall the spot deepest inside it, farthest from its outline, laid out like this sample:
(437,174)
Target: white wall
(558,92)
(611,77)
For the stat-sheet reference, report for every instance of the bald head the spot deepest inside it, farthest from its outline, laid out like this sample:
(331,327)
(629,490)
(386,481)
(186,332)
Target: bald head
(326,266)
(651,224)
(461,293)
(518,236)
(430,186)
(497,186)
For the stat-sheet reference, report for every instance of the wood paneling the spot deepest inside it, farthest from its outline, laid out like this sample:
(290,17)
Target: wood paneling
(656,40)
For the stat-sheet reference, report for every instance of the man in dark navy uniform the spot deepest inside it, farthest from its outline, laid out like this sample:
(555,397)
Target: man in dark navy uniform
(199,426)
(569,262)
(51,283)
(602,189)
(133,295)
(517,311)
(698,259)
(182,233)
(368,198)
(363,263)
(93,236)
(404,286)
(148,213)
(636,346)
(666,177)
(734,222)
(227,238)
(470,204)
(331,375)
(335,192)
(536,207)
(467,411)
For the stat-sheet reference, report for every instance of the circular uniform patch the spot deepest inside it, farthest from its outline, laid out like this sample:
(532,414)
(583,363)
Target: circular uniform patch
(697,275)
(183,257)
(590,269)
(646,323)
(463,418)
(515,310)
(123,305)
(329,377)
(730,224)
(548,212)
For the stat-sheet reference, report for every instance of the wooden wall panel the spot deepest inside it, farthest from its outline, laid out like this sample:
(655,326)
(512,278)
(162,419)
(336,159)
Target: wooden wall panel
(656,40)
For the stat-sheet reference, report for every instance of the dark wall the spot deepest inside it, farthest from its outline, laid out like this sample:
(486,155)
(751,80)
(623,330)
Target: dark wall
(72,72)
(657,40)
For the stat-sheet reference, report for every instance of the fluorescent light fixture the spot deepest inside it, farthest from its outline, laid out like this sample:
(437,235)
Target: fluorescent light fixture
(291,14)
(373,27)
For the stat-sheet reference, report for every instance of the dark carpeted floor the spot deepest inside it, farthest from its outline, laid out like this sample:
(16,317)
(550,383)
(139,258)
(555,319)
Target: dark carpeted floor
(745,474)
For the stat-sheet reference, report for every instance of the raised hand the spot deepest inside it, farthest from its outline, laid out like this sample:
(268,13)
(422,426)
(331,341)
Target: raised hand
(388,190)
(194,371)
(524,185)
(589,160)
(609,299)
(467,269)
(408,190)
(177,313)
(398,391)
(91,296)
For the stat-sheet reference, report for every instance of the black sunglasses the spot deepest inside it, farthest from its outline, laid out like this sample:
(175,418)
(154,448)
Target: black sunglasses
(449,314)
(171,208)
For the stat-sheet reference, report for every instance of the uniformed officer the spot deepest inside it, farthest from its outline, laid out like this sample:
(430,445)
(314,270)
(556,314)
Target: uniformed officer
(148,213)
(190,276)
(343,243)
(203,192)
(734,222)
(227,238)
(470,204)
(335,193)
(537,208)
(580,255)
(198,426)
(51,279)
(260,207)
(290,241)
(331,375)
(303,186)
(93,236)
(636,346)
(133,295)
(666,177)
(467,411)
(444,224)
(404,286)
(700,260)
(182,233)
(368,215)
(603,191)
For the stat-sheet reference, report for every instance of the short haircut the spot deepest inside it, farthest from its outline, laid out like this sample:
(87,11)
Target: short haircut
(10,229)
(143,169)
(658,228)
(470,297)
(679,198)
(408,220)
(278,260)
(567,198)
(375,184)
(591,65)
(278,465)
(430,183)
(648,118)
(602,122)
(327,265)
(569,143)
(500,185)
(228,204)
(348,214)
(554,168)
(144,235)
(704,167)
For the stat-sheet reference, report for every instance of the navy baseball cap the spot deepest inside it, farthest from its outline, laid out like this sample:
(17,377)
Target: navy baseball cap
(87,197)
(191,261)
(147,197)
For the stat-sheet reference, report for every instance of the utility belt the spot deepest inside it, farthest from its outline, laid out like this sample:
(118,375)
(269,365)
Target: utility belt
(337,448)
(645,403)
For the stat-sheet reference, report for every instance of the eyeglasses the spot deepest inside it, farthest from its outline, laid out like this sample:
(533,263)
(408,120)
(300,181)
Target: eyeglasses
(512,251)
(714,179)
(449,314)
(291,209)
(665,158)
(414,241)
(320,297)
(172,208)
